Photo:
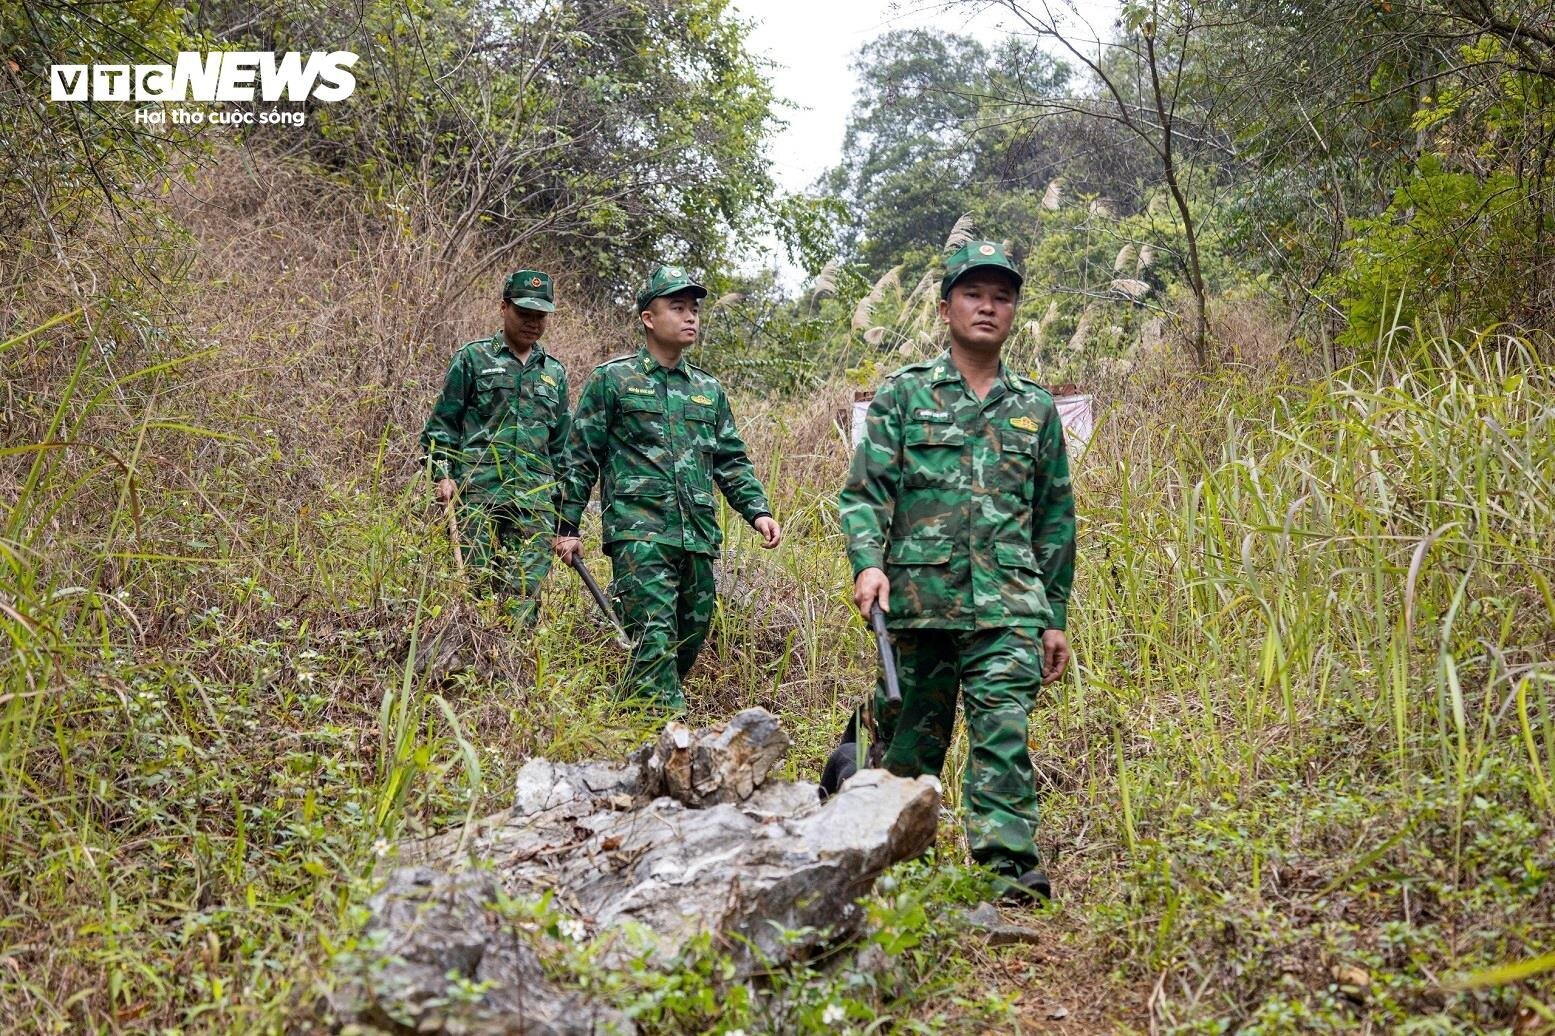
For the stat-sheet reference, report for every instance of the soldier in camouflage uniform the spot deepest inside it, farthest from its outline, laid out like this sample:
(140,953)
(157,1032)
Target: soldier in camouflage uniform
(960,523)
(658,434)
(494,441)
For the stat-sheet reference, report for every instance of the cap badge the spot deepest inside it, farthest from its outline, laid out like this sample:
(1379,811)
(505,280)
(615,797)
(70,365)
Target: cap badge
(986,249)
(535,282)
(675,271)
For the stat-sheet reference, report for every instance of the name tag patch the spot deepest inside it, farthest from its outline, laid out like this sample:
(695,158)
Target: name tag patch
(638,391)
(937,416)
(495,370)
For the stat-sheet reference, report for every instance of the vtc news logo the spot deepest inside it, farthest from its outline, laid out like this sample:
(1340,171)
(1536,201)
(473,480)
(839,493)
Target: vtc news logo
(236,75)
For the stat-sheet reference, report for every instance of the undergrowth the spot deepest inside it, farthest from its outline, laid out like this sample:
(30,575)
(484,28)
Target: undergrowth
(1300,777)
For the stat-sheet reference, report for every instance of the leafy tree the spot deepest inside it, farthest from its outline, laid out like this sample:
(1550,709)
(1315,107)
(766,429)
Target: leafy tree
(63,163)
(1340,112)
(921,145)
(619,131)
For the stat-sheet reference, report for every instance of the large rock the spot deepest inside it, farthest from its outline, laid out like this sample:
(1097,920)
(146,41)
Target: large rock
(439,957)
(684,838)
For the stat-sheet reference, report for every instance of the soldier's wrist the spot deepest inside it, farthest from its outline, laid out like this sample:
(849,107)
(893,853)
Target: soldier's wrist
(863,561)
(1060,617)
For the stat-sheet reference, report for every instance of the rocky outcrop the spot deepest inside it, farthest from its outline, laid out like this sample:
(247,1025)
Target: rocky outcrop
(688,836)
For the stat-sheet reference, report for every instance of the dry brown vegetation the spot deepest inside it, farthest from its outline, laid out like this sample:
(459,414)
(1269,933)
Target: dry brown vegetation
(238,659)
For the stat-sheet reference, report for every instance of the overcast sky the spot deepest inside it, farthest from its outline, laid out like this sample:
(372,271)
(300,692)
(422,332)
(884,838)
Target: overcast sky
(812,43)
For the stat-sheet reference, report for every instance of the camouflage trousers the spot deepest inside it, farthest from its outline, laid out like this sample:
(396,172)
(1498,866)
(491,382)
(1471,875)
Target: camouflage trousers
(664,597)
(511,551)
(998,673)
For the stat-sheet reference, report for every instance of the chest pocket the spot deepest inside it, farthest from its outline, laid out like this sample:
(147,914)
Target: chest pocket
(545,400)
(642,417)
(493,392)
(1016,469)
(701,426)
(931,455)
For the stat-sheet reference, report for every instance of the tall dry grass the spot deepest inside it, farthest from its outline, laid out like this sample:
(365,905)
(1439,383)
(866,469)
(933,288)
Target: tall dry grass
(1308,735)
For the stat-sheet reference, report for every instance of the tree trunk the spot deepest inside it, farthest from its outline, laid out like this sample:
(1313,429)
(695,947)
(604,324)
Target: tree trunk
(1200,338)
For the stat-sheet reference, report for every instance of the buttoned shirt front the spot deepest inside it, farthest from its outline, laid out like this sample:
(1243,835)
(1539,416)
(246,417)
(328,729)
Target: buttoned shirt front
(965,503)
(657,439)
(500,424)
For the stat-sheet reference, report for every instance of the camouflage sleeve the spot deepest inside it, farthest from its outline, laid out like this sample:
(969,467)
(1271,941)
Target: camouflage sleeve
(1053,532)
(732,468)
(585,449)
(442,440)
(867,502)
(556,442)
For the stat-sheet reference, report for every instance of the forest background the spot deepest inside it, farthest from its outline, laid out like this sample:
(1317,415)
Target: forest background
(1300,254)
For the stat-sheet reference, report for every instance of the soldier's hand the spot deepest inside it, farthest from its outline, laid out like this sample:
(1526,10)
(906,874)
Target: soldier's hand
(771,532)
(1055,655)
(871,586)
(446,488)
(567,548)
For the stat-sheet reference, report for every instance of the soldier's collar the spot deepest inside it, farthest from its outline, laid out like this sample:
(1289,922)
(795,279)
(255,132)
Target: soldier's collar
(945,369)
(646,361)
(1012,381)
(499,345)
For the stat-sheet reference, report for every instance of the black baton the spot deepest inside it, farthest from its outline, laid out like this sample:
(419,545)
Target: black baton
(893,690)
(576,561)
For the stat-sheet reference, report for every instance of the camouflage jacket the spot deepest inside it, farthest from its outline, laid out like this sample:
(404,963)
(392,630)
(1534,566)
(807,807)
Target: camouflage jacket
(964,503)
(500,425)
(657,439)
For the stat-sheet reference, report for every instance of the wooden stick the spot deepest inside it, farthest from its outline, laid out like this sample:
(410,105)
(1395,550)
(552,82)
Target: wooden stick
(453,535)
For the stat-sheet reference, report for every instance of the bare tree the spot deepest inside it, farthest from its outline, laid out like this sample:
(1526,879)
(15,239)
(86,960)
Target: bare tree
(1138,81)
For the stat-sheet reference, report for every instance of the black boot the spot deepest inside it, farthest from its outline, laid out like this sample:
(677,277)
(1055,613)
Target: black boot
(1030,889)
(840,765)
(843,761)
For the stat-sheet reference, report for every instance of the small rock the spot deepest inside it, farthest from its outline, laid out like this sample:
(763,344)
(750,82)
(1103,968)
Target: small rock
(1351,979)
(996,931)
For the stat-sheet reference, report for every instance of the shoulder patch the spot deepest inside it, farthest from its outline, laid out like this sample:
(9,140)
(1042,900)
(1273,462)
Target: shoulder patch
(910,368)
(1024,423)
(617,359)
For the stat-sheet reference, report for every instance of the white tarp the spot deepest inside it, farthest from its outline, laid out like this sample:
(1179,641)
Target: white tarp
(1078,419)
(860,408)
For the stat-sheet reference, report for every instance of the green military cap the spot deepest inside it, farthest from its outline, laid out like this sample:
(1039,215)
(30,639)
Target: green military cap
(667,280)
(530,289)
(972,255)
